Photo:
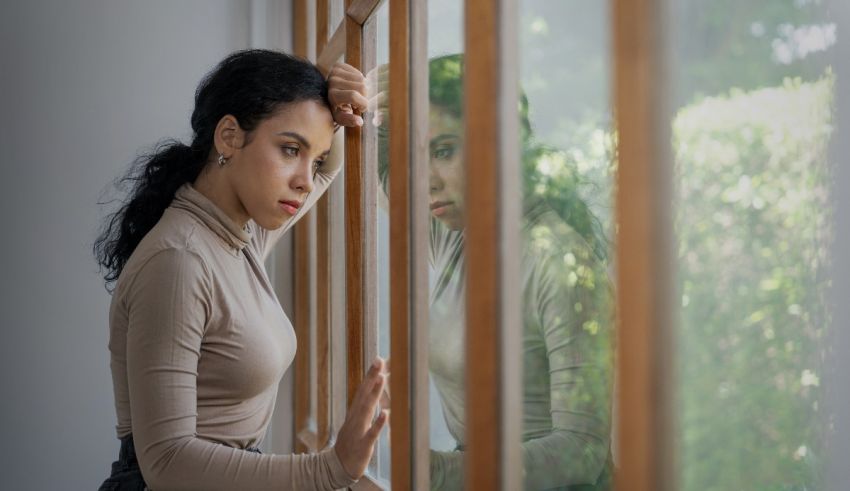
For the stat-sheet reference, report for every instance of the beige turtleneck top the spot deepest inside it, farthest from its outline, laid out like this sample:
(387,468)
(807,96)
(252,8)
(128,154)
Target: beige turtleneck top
(199,343)
(567,348)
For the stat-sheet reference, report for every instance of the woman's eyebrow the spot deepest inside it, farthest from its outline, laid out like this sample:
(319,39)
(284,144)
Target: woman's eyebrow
(439,138)
(301,139)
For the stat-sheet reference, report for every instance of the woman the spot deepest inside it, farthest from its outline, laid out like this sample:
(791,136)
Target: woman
(198,340)
(566,308)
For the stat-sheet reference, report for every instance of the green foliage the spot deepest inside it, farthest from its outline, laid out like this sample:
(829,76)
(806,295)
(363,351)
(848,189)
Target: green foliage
(752,211)
(751,222)
(571,182)
(548,175)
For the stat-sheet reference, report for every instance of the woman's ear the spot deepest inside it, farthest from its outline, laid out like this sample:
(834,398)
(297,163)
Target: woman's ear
(229,136)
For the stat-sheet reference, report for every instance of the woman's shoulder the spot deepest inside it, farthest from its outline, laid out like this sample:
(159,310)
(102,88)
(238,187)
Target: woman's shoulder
(175,239)
(546,235)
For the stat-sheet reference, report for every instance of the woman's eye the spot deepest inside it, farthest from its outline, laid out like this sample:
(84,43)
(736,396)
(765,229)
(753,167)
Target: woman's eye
(290,151)
(318,164)
(444,152)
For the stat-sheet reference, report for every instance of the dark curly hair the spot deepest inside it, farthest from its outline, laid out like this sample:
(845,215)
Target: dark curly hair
(250,85)
(445,91)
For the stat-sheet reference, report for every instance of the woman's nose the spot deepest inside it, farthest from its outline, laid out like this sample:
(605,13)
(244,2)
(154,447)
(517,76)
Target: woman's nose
(302,181)
(435,181)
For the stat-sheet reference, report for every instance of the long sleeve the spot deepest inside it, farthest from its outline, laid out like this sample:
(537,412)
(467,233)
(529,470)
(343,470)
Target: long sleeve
(266,239)
(567,342)
(572,296)
(169,305)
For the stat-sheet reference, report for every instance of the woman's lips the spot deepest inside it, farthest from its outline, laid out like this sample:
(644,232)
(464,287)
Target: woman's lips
(439,208)
(290,207)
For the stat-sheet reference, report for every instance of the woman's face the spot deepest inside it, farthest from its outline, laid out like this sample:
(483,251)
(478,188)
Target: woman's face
(446,176)
(277,164)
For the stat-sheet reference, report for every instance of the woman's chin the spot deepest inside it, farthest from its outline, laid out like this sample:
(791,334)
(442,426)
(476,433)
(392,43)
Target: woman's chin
(273,223)
(452,223)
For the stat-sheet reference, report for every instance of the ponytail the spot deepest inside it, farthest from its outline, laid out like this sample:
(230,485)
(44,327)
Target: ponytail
(154,179)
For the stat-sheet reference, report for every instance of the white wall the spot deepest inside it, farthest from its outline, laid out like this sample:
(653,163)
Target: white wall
(85,85)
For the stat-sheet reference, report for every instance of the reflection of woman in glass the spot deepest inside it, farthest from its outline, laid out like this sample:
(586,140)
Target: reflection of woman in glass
(566,308)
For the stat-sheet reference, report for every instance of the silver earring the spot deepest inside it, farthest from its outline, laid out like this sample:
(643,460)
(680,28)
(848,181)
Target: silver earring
(221,160)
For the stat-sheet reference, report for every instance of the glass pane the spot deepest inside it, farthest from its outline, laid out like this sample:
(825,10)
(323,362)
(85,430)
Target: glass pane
(446,174)
(306,431)
(379,24)
(338,343)
(447,277)
(753,94)
(336,13)
(568,164)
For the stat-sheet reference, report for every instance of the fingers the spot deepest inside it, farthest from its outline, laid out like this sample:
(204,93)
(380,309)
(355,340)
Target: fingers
(385,400)
(348,119)
(377,75)
(376,392)
(378,107)
(359,432)
(385,394)
(377,366)
(377,101)
(370,389)
(347,94)
(377,79)
(353,98)
(345,83)
(373,394)
(346,71)
(377,84)
(375,431)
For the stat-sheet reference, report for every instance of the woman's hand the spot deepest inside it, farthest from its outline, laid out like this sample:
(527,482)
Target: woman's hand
(347,94)
(378,89)
(385,395)
(357,437)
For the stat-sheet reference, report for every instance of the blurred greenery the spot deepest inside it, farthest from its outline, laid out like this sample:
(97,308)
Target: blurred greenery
(753,98)
(751,222)
(546,173)
(752,227)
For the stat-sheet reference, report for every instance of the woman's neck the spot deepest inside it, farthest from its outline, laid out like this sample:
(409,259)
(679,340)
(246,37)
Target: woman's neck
(212,183)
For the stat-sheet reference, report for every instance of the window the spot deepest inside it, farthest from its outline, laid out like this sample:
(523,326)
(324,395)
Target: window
(695,199)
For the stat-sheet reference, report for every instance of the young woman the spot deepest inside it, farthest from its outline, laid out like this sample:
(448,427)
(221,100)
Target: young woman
(567,309)
(198,340)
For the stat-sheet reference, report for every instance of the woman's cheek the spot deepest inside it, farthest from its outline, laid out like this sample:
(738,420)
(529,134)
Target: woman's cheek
(276,170)
(458,183)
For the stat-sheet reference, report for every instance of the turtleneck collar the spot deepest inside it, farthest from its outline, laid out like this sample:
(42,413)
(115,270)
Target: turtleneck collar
(190,199)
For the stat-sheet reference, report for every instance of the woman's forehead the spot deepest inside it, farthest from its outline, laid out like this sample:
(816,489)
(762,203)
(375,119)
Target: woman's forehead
(444,120)
(309,119)
(302,113)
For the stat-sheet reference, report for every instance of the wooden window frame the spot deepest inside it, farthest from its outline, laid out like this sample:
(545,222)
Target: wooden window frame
(643,357)
(354,39)
(408,237)
(323,276)
(494,459)
(644,284)
(302,284)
